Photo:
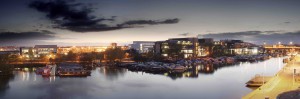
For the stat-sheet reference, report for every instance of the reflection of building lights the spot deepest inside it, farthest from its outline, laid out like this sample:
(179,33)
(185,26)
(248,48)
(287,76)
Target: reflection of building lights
(207,68)
(23,76)
(188,74)
(166,74)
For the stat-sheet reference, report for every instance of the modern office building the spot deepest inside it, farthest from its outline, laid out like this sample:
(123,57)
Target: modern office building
(143,46)
(9,50)
(189,47)
(45,49)
(28,52)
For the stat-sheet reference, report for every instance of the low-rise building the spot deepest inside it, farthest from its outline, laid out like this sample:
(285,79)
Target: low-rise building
(28,52)
(45,49)
(143,46)
(9,50)
(189,47)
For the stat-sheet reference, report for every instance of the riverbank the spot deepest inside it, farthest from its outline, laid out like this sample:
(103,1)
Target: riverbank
(183,65)
(286,79)
(203,82)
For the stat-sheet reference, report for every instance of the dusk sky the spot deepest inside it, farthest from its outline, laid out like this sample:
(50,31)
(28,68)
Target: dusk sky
(100,22)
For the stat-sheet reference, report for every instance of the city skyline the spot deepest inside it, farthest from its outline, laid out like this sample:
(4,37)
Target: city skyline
(93,22)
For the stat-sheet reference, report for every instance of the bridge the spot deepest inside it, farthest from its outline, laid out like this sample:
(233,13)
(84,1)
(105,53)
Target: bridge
(283,49)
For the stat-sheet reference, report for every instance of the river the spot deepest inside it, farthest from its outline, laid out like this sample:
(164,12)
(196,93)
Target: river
(204,82)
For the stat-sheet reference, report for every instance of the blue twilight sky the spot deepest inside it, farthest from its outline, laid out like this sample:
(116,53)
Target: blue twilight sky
(99,22)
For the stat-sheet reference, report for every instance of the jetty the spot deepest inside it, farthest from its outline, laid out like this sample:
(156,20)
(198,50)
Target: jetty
(287,79)
(258,80)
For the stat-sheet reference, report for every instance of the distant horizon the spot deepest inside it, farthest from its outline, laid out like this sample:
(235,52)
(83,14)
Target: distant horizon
(93,22)
(130,42)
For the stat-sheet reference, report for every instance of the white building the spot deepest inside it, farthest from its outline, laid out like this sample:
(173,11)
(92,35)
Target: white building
(143,46)
(46,49)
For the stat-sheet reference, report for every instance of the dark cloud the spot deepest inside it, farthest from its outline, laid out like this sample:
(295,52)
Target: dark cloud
(258,37)
(287,22)
(77,17)
(151,22)
(12,38)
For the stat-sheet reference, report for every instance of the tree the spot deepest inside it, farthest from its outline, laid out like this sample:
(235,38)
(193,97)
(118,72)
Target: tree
(5,67)
(136,56)
(87,57)
(44,58)
(99,55)
(114,54)
(71,56)
(13,58)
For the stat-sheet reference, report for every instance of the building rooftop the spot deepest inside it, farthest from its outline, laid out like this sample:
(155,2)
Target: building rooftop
(45,46)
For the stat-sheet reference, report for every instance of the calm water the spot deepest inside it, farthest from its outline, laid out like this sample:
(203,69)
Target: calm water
(204,82)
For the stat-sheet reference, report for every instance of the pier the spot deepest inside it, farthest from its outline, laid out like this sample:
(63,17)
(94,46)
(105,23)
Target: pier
(258,80)
(287,79)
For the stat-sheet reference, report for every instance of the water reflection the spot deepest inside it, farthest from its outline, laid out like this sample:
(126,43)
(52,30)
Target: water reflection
(112,72)
(110,82)
(4,84)
(209,69)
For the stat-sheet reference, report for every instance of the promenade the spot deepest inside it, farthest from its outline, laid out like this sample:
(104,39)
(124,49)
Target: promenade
(286,79)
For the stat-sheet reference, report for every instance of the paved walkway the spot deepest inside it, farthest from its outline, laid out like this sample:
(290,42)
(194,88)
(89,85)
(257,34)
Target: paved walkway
(285,80)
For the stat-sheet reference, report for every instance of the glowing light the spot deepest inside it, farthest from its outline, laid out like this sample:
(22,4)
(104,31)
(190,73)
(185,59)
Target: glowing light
(207,68)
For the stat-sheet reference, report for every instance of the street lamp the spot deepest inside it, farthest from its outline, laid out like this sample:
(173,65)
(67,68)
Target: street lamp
(291,43)
(279,43)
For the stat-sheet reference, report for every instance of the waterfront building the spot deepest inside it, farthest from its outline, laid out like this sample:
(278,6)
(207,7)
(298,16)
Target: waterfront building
(143,46)
(9,50)
(45,49)
(28,52)
(113,45)
(205,45)
(81,49)
(189,47)
(158,47)
(64,50)
(239,47)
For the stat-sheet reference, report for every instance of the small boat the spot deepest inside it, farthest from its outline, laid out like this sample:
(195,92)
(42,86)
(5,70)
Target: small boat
(72,69)
(285,60)
(46,72)
(258,81)
(39,71)
(179,67)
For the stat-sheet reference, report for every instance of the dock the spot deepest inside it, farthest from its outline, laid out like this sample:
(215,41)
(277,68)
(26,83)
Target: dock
(258,81)
(287,79)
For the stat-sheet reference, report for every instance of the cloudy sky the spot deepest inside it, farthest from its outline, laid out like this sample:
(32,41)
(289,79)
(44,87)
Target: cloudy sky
(100,22)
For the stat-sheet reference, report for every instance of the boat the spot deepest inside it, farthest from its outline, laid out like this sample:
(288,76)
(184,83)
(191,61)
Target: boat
(39,71)
(258,81)
(49,70)
(72,69)
(179,67)
(46,72)
(286,60)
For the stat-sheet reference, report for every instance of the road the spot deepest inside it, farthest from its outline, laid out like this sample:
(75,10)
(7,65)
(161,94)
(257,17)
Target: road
(284,80)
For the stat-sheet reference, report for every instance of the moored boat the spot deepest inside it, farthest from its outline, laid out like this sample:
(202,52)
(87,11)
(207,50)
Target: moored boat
(72,69)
